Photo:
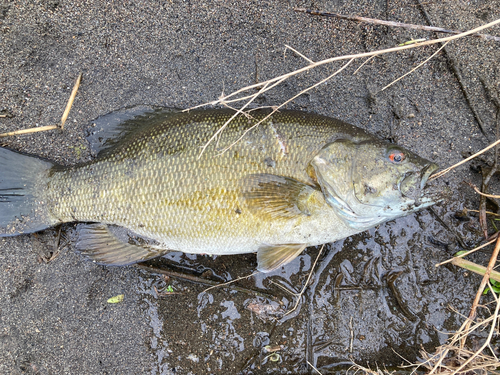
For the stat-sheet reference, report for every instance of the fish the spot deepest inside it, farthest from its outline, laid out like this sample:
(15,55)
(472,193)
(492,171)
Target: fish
(164,181)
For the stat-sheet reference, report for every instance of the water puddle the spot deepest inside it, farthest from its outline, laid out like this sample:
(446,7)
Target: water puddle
(371,296)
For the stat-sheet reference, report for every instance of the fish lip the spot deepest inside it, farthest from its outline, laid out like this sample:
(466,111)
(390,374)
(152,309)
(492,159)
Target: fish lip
(426,173)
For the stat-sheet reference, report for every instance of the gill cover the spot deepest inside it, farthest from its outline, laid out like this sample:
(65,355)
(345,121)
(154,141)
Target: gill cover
(370,182)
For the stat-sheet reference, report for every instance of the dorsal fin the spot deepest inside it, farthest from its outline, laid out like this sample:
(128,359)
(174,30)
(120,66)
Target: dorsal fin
(109,130)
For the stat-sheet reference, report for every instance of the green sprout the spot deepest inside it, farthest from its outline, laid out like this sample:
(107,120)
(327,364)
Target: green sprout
(169,289)
(495,287)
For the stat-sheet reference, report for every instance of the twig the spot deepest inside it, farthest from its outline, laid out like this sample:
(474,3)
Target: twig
(476,268)
(71,100)
(275,109)
(466,253)
(446,170)
(202,281)
(31,130)
(345,57)
(267,85)
(51,127)
(458,75)
(486,277)
(487,212)
(314,368)
(298,53)
(391,23)
(299,295)
(484,194)
(352,335)
(482,200)
(231,281)
(415,68)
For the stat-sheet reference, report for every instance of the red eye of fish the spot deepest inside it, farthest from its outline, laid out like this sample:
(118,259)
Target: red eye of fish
(396,157)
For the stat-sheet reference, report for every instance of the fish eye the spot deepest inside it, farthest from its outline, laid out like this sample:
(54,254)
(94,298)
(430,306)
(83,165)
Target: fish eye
(397,156)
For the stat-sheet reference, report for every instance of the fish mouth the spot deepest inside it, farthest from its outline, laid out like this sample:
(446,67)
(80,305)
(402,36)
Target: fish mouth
(414,185)
(429,195)
(426,173)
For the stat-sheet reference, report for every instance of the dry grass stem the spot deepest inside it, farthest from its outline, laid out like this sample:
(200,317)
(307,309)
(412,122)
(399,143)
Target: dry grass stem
(446,170)
(275,109)
(298,53)
(251,98)
(476,268)
(453,357)
(299,295)
(367,371)
(267,85)
(442,362)
(31,130)
(51,127)
(71,100)
(484,194)
(364,63)
(314,368)
(467,253)
(230,282)
(391,23)
(486,277)
(486,212)
(415,68)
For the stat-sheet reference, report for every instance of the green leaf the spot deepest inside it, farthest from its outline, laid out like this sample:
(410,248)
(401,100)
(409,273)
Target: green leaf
(116,299)
(169,289)
(494,226)
(495,287)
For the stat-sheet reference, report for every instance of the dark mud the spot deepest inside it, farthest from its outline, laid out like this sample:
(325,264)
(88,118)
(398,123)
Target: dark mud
(370,296)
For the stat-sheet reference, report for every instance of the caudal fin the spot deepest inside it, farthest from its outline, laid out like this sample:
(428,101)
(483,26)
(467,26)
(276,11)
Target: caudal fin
(23,182)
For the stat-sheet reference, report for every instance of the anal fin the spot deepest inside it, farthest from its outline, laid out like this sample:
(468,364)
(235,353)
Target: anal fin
(271,257)
(106,247)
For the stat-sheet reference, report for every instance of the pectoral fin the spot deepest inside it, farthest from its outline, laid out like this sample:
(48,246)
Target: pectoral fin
(279,197)
(270,258)
(107,247)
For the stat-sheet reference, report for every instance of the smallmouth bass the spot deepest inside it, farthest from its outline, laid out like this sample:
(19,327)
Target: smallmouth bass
(296,180)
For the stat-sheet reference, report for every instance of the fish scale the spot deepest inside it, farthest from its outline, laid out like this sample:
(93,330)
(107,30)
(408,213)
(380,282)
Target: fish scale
(195,191)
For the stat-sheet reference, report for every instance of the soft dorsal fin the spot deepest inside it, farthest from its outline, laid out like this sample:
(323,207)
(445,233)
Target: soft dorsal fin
(103,246)
(271,257)
(108,130)
(275,196)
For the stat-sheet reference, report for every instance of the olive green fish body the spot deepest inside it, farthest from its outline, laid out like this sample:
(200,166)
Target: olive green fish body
(295,180)
(158,185)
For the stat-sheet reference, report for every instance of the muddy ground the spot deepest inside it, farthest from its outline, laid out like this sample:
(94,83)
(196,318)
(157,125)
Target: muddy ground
(54,315)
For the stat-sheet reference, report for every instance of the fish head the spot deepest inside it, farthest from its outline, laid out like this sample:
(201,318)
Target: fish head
(372,181)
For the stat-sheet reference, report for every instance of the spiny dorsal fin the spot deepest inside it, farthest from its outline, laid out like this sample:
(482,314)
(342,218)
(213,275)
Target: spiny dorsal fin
(279,197)
(109,130)
(102,246)
(272,257)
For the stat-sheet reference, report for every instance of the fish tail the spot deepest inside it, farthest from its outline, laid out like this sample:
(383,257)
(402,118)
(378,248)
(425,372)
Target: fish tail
(23,183)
